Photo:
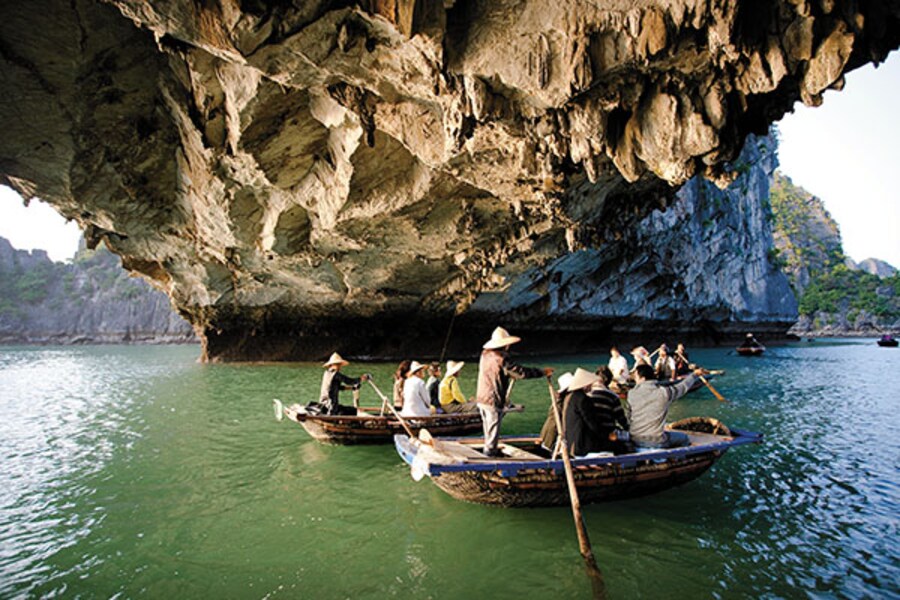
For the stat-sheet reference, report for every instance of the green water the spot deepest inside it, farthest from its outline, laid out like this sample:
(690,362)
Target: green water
(135,472)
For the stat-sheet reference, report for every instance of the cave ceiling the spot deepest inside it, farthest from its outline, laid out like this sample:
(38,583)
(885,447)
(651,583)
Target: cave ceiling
(272,162)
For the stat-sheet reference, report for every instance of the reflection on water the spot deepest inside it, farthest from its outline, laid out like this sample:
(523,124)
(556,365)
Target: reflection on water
(135,471)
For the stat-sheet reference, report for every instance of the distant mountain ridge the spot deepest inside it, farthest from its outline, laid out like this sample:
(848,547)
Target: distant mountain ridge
(90,300)
(836,296)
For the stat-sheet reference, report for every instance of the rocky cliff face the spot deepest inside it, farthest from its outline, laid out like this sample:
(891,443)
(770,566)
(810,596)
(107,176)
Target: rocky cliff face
(807,238)
(837,297)
(296,175)
(92,300)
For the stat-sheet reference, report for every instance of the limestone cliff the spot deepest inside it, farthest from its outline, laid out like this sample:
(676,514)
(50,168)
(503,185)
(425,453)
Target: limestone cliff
(836,296)
(91,300)
(807,238)
(294,174)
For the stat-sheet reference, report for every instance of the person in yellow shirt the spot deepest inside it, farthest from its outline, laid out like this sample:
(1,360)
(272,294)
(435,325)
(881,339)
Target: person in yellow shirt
(451,397)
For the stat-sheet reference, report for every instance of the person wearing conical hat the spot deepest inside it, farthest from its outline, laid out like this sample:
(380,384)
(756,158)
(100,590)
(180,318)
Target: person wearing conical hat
(495,371)
(333,381)
(416,402)
(641,357)
(451,397)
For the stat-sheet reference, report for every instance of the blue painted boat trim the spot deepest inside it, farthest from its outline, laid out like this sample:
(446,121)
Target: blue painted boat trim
(509,468)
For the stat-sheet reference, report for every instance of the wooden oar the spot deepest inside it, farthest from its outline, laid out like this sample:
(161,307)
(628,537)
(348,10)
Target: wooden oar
(584,543)
(714,391)
(403,422)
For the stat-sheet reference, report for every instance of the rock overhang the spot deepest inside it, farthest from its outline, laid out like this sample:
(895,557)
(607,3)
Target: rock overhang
(284,172)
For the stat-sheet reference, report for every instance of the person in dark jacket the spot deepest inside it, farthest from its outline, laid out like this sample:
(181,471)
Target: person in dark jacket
(591,413)
(333,381)
(495,372)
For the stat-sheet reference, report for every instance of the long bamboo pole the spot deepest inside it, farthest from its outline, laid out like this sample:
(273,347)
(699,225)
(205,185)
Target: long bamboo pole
(584,542)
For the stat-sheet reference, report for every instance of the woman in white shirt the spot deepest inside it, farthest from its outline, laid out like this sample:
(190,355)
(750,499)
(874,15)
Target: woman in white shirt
(416,402)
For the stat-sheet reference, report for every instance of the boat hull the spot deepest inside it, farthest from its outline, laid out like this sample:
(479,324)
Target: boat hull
(523,479)
(754,351)
(375,429)
(888,343)
(547,487)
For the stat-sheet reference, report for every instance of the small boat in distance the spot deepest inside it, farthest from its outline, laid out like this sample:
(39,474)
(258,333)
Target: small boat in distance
(750,347)
(888,341)
(526,475)
(371,426)
(750,350)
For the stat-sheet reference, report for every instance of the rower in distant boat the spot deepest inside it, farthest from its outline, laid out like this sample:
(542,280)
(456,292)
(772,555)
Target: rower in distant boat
(888,341)
(333,381)
(495,372)
(750,347)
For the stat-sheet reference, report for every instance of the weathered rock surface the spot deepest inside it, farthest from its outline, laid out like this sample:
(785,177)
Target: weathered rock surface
(836,296)
(296,174)
(807,238)
(91,300)
(875,266)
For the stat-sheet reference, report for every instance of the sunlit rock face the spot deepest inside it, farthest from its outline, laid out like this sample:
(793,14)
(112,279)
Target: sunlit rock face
(300,177)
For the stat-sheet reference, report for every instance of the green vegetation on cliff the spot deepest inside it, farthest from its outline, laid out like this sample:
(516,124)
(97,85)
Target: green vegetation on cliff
(808,248)
(842,289)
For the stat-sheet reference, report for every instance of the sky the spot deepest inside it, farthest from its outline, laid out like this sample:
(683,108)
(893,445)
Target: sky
(844,152)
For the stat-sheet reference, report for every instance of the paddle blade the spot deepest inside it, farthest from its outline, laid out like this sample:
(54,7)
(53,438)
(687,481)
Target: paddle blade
(426,437)
(279,409)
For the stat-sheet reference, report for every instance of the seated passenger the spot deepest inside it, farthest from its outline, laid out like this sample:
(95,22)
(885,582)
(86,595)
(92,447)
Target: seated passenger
(415,397)
(433,384)
(665,367)
(549,432)
(648,407)
(610,414)
(641,357)
(333,381)
(399,381)
(451,397)
(618,364)
(682,362)
(587,428)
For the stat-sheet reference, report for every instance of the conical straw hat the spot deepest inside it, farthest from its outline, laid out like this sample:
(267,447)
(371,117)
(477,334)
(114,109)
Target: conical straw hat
(454,367)
(335,360)
(563,382)
(414,368)
(582,379)
(500,339)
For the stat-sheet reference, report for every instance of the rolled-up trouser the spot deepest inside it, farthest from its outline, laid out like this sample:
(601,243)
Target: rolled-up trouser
(490,420)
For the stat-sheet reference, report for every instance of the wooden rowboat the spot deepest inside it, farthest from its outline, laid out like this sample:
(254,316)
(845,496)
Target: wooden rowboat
(370,427)
(524,476)
(888,341)
(750,350)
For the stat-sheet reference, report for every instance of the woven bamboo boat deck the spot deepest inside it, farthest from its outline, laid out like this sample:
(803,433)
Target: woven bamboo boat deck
(523,478)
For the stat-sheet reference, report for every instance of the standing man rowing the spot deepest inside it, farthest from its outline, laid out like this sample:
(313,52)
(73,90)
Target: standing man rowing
(494,374)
